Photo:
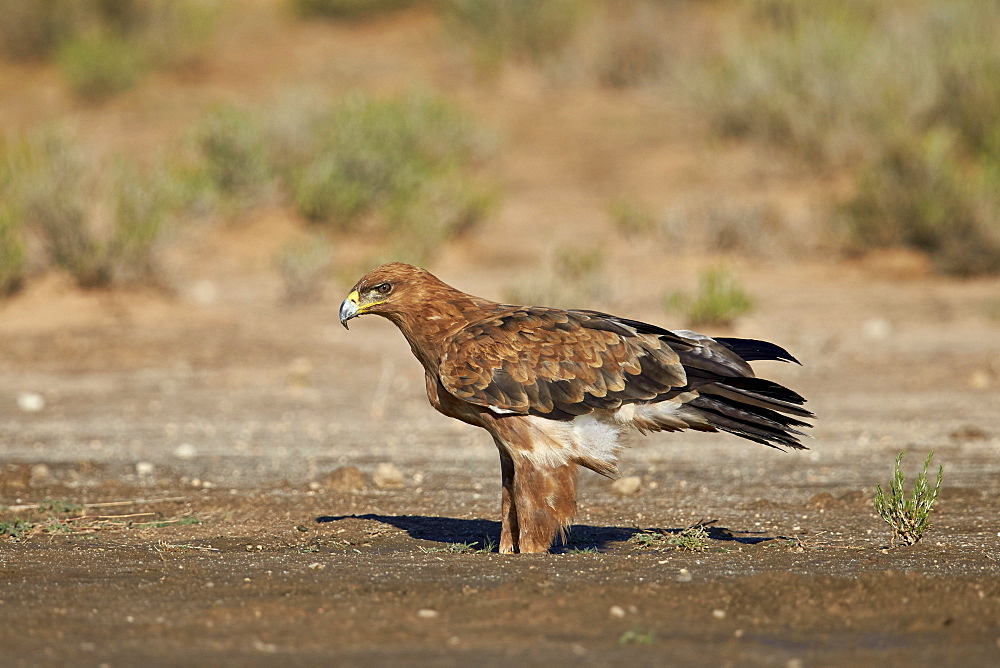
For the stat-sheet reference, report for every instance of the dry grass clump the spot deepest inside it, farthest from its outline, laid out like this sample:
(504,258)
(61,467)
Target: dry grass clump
(904,96)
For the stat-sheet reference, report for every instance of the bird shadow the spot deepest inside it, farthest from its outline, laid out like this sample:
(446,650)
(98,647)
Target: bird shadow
(485,534)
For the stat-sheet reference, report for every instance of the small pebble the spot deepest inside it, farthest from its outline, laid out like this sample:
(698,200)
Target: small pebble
(719,614)
(144,469)
(617,611)
(317,566)
(30,402)
(342,479)
(683,575)
(185,451)
(427,613)
(387,475)
(628,486)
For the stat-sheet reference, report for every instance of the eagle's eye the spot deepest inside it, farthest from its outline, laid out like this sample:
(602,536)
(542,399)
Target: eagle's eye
(383,288)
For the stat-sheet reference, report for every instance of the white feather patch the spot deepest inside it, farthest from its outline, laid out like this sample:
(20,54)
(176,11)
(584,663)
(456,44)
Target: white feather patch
(589,437)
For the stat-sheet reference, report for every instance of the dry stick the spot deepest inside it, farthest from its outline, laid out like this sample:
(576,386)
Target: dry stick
(105,504)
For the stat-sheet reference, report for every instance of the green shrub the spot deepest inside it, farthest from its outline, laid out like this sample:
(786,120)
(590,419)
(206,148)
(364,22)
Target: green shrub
(104,46)
(718,301)
(397,166)
(903,97)
(527,30)
(61,197)
(232,145)
(345,9)
(138,215)
(52,190)
(909,518)
(919,195)
(99,66)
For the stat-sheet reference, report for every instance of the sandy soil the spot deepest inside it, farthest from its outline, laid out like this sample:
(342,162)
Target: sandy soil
(199,432)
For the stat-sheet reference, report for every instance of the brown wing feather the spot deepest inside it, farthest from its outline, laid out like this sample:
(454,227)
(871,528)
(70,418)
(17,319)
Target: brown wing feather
(557,363)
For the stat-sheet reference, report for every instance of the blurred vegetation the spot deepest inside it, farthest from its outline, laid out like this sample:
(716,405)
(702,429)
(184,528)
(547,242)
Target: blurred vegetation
(100,225)
(98,66)
(906,96)
(718,302)
(401,166)
(12,252)
(575,279)
(345,9)
(12,243)
(631,217)
(236,159)
(105,46)
(304,265)
(525,30)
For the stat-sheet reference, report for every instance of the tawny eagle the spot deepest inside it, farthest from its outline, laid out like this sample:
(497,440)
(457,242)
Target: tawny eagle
(556,388)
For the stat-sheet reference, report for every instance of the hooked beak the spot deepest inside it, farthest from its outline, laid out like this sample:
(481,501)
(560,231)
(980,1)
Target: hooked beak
(349,309)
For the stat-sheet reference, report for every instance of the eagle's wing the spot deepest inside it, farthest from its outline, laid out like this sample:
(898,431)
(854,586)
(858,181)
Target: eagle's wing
(560,364)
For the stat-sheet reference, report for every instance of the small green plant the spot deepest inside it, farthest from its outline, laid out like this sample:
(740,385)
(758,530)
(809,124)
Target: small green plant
(99,66)
(581,550)
(485,546)
(718,302)
(304,265)
(60,506)
(635,636)
(15,528)
(692,539)
(908,517)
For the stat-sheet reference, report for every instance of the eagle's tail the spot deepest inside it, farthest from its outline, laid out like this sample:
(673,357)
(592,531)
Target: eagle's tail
(720,397)
(754,408)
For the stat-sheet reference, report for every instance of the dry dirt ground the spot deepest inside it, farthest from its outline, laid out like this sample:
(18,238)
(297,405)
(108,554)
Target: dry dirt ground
(187,444)
(238,420)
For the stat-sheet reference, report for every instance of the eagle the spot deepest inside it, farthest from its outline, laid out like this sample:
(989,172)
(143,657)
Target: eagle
(557,388)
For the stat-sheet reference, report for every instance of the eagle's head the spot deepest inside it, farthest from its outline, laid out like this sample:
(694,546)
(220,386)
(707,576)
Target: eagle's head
(387,290)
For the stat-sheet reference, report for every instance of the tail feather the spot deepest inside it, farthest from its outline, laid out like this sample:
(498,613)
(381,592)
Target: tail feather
(752,350)
(751,418)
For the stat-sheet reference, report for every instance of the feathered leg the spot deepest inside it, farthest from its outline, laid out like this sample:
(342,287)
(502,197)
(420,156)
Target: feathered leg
(508,511)
(539,503)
